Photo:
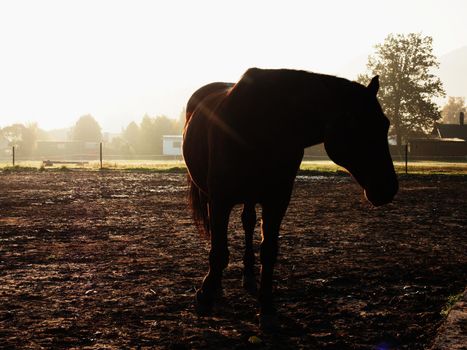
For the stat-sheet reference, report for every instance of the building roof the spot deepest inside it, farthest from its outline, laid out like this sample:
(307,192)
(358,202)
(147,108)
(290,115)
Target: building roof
(451,131)
(435,140)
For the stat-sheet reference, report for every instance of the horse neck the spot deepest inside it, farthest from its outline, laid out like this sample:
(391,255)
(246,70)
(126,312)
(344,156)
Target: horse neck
(325,106)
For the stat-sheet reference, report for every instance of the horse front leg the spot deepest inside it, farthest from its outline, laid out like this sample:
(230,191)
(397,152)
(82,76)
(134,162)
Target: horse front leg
(271,220)
(249,223)
(218,258)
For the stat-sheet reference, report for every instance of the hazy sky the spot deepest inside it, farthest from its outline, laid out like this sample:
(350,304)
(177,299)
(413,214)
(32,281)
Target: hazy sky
(121,59)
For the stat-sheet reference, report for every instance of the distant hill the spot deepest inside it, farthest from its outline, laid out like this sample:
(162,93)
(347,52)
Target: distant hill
(453,72)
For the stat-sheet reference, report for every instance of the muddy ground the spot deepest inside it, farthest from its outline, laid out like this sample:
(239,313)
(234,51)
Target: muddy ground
(110,260)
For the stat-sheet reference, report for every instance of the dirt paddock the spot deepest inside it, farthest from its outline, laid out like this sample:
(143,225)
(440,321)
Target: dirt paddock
(111,260)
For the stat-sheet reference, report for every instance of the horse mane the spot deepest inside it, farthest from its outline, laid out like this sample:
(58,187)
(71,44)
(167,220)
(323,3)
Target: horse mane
(277,81)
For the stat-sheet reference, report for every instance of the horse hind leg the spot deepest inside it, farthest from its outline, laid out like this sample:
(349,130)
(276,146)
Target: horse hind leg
(211,287)
(249,223)
(271,220)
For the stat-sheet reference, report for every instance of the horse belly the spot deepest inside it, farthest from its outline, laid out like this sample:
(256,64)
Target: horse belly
(252,176)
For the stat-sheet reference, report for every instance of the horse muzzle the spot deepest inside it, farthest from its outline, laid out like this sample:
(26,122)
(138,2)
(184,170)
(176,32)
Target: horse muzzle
(382,195)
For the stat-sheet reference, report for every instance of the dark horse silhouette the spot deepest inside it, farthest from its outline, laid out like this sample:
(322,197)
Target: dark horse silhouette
(243,144)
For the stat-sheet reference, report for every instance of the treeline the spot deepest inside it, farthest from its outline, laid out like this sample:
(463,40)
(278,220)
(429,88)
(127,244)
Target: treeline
(23,137)
(404,63)
(144,138)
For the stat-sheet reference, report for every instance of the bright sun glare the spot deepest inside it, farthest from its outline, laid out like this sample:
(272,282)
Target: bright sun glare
(118,60)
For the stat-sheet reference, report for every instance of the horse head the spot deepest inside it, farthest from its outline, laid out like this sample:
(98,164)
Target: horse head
(358,141)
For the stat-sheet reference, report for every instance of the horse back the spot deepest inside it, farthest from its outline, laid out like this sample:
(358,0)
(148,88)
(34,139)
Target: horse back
(254,148)
(203,92)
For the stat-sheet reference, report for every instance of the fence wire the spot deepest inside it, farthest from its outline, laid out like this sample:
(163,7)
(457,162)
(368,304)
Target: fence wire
(109,160)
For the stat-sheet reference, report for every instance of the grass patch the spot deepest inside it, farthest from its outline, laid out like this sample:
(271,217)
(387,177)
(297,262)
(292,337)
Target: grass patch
(322,168)
(18,169)
(432,168)
(414,168)
(165,170)
(21,164)
(452,300)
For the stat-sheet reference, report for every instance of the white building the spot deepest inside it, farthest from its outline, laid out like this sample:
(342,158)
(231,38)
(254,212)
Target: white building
(172,145)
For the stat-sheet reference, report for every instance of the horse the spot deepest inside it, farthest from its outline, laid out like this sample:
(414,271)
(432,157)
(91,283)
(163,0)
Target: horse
(243,144)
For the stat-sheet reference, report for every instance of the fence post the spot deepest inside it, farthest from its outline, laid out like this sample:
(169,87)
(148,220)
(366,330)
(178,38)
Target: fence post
(13,155)
(100,154)
(406,158)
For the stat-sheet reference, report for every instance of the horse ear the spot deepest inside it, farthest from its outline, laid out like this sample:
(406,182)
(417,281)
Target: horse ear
(374,85)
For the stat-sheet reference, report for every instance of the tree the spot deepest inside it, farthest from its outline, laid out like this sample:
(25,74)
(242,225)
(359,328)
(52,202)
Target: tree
(452,109)
(86,129)
(180,122)
(29,139)
(148,141)
(405,64)
(164,126)
(132,136)
(151,132)
(119,146)
(22,137)
(14,134)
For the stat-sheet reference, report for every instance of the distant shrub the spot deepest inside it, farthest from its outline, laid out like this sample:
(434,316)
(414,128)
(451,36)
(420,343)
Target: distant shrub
(18,168)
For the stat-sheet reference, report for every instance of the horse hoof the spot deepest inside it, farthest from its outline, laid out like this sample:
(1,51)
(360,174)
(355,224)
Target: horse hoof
(249,284)
(269,322)
(203,303)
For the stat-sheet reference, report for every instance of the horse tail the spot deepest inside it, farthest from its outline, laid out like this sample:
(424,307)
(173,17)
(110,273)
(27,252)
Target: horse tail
(202,101)
(198,202)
